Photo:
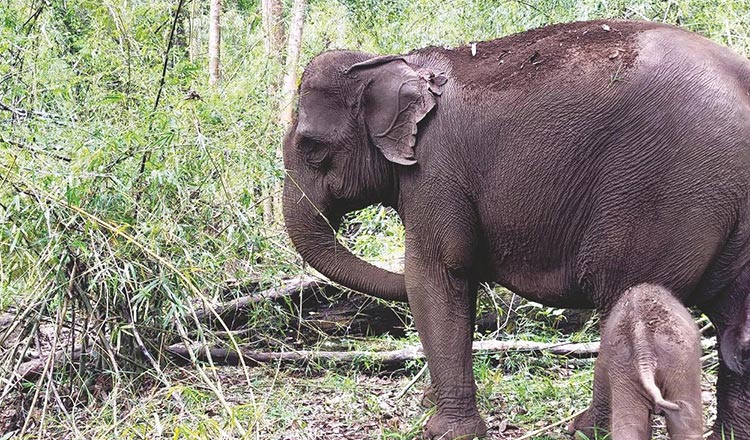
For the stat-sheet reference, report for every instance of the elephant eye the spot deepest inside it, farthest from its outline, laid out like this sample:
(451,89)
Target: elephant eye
(312,145)
(316,154)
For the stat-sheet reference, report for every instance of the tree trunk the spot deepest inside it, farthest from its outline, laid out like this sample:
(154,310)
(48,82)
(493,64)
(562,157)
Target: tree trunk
(273,37)
(289,90)
(273,40)
(214,41)
(192,34)
(289,85)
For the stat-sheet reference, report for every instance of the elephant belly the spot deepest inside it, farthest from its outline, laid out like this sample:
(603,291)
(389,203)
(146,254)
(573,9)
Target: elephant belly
(553,287)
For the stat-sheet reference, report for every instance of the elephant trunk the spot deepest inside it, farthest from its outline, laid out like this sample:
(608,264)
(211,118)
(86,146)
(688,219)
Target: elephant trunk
(312,228)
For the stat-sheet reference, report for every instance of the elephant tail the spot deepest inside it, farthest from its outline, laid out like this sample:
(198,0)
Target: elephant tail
(646,369)
(649,384)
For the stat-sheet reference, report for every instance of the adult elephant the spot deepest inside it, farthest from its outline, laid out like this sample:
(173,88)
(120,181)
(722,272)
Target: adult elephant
(567,163)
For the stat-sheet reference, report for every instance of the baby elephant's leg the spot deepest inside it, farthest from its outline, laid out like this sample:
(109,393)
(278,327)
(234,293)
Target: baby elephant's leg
(595,421)
(631,411)
(681,377)
(686,423)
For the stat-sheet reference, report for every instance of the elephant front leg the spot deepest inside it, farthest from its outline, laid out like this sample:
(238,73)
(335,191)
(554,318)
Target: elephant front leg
(440,301)
(429,396)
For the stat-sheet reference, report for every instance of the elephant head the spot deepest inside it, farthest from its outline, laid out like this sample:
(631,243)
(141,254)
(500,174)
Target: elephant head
(356,125)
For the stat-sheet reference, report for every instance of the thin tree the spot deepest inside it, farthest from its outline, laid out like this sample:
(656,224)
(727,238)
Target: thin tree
(193,43)
(214,42)
(272,26)
(289,85)
(273,40)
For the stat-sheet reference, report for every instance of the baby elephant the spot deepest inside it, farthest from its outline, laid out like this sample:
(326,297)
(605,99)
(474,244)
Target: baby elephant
(649,362)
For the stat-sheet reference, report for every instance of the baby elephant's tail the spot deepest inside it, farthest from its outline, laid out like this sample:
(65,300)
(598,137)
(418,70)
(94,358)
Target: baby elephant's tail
(646,369)
(649,384)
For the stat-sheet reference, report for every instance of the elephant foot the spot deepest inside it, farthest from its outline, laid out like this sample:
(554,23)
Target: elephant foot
(429,398)
(448,428)
(582,427)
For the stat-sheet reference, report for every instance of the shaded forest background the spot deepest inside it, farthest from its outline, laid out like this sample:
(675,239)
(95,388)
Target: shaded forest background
(137,191)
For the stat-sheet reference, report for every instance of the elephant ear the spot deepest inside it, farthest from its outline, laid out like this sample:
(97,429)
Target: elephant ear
(397,96)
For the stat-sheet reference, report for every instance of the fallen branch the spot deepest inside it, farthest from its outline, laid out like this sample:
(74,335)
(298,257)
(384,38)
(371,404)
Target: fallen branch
(393,358)
(315,308)
(535,433)
(32,369)
(231,312)
(390,359)
(578,350)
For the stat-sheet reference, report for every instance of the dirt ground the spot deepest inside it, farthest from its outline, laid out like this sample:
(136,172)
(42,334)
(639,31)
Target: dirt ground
(525,394)
(367,406)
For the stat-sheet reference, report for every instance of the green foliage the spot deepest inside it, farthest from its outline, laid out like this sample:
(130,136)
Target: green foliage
(86,78)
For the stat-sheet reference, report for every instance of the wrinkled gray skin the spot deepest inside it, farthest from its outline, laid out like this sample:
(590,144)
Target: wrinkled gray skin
(649,362)
(566,163)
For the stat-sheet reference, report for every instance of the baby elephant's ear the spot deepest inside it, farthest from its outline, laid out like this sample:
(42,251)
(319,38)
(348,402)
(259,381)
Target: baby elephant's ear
(397,96)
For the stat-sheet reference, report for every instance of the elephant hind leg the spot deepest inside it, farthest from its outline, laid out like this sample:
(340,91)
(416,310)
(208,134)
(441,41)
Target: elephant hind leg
(630,406)
(686,423)
(631,424)
(732,405)
(595,421)
(730,314)
(684,390)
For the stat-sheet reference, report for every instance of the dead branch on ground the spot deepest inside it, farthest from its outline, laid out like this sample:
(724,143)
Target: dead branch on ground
(32,369)
(389,359)
(231,312)
(316,307)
